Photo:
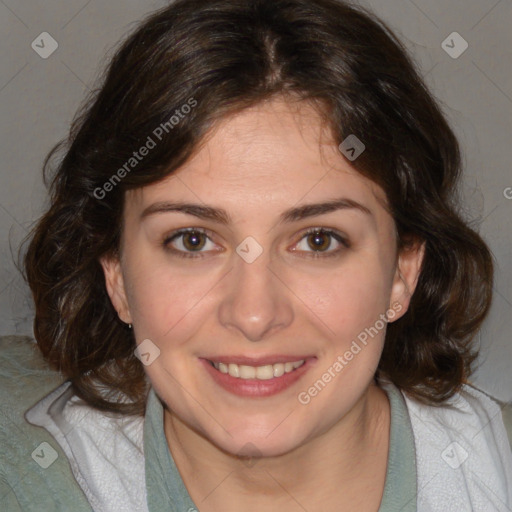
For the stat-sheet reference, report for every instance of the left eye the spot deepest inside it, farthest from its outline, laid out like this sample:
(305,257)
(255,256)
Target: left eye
(320,240)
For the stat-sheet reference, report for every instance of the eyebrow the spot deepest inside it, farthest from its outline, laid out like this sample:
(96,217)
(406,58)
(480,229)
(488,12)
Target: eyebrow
(222,216)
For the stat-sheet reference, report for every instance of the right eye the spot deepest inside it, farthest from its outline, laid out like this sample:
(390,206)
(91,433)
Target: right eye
(187,242)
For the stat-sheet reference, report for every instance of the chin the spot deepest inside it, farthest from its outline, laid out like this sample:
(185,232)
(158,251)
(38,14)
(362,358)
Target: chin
(252,443)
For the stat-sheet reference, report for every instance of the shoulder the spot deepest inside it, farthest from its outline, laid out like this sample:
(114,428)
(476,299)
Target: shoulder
(25,377)
(470,408)
(506,412)
(28,481)
(463,452)
(501,411)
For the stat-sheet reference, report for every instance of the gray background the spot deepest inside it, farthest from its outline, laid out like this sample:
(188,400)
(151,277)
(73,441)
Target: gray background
(38,98)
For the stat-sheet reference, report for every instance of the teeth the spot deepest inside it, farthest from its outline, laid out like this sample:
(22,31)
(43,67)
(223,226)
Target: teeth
(245,372)
(234,369)
(278,369)
(266,372)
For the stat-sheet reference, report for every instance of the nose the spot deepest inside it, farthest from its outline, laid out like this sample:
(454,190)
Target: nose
(257,302)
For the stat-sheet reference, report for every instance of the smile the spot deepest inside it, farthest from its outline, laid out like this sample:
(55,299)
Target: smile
(262,379)
(266,372)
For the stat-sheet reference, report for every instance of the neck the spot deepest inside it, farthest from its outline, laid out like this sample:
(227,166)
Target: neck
(341,459)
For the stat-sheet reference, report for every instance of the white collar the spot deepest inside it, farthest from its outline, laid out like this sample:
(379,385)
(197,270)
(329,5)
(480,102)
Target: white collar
(105,451)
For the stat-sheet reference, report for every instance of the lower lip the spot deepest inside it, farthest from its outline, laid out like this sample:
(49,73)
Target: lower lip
(256,387)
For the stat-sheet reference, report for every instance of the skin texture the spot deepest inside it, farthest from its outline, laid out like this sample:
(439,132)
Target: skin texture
(255,165)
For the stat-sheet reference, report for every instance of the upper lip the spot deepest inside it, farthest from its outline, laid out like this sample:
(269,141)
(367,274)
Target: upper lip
(258,361)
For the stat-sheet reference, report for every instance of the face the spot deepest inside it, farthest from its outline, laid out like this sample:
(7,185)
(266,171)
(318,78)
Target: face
(252,277)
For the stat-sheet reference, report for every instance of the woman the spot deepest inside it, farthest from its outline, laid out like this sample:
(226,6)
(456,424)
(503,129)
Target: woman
(255,281)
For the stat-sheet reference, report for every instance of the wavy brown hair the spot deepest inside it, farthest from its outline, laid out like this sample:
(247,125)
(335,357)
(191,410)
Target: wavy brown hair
(228,55)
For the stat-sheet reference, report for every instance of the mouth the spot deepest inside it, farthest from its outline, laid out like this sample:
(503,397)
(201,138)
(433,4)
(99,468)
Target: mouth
(264,372)
(257,377)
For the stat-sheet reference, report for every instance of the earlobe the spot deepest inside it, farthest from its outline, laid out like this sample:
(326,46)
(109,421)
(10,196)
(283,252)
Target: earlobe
(114,283)
(407,273)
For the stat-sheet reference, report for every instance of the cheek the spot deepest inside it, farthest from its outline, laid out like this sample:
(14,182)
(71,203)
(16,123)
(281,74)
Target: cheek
(165,300)
(338,295)
(347,299)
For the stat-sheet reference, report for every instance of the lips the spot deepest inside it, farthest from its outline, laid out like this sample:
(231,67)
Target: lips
(264,385)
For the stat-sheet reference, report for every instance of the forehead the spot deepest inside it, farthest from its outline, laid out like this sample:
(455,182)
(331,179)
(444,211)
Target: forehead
(275,153)
(280,139)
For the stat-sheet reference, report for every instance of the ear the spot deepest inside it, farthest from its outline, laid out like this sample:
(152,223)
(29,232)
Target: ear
(407,273)
(114,282)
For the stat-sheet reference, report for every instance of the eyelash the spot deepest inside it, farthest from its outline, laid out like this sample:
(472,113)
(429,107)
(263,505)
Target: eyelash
(313,254)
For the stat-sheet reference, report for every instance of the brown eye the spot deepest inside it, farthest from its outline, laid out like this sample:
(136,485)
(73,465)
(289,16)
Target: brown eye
(188,243)
(319,241)
(193,240)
